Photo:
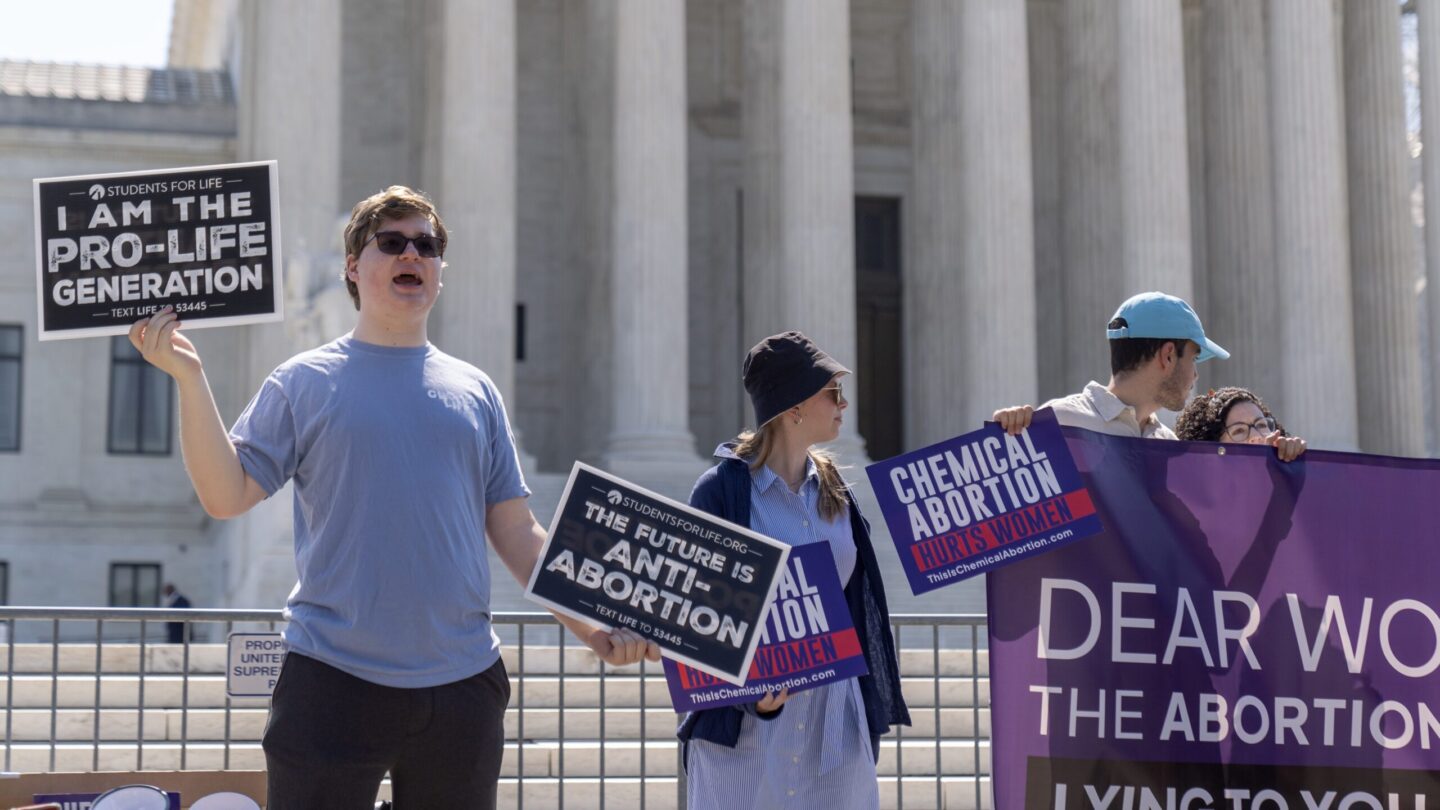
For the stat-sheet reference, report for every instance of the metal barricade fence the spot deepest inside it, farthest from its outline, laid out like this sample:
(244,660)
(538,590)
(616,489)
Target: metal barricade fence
(91,689)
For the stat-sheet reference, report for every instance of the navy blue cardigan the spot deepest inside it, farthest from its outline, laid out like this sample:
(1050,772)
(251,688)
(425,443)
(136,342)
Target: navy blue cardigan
(724,491)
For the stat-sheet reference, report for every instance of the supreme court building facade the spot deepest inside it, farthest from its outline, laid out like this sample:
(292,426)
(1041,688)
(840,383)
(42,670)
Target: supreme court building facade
(950,196)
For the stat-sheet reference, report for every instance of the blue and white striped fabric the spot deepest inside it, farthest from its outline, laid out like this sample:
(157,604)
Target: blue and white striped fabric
(817,753)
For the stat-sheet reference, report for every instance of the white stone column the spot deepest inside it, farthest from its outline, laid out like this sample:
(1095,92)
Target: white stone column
(650,434)
(1043,39)
(1090,209)
(1240,243)
(1193,30)
(592,254)
(477,192)
(1383,259)
(799,186)
(970,284)
(290,103)
(1428,12)
(1154,163)
(289,90)
(1312,247)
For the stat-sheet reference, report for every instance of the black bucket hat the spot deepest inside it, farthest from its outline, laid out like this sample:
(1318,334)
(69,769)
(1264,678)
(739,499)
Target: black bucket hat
(783,371)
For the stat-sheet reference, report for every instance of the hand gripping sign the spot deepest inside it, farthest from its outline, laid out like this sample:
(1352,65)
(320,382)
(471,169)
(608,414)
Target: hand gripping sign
(111,249)
(622,556)
(984,499)
(807,640)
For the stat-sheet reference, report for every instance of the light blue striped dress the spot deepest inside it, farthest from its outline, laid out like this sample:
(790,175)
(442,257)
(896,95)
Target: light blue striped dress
(817,753)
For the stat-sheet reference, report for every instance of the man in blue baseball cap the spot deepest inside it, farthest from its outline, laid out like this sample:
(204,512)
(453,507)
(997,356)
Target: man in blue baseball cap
(1156,340)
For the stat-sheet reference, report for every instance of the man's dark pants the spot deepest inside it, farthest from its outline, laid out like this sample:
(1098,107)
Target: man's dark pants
(332,737)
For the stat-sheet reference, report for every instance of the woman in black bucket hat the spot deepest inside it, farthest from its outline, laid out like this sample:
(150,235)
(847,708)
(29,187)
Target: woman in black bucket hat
(816,748)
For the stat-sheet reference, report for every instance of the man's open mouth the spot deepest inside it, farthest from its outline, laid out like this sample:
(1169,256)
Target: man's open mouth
(408,280)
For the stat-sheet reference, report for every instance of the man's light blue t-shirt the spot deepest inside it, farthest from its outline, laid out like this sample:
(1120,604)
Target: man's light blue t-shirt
(396,452)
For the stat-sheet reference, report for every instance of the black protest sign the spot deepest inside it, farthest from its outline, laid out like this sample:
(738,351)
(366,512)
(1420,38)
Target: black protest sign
(111,249)
(623,556)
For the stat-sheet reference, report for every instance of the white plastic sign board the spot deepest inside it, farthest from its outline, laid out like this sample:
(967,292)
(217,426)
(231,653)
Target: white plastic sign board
(252,664)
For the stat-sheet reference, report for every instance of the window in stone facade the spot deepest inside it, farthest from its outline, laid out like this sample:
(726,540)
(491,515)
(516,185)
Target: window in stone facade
(134,585)
(4,583)
(142,403)
(12,340)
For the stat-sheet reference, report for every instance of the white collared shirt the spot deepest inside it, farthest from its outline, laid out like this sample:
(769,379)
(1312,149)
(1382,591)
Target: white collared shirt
(1097,409)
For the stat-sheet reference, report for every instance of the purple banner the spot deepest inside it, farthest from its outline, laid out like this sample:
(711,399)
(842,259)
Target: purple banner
(807,640)
(83,801)
(1245,634)
(969,504)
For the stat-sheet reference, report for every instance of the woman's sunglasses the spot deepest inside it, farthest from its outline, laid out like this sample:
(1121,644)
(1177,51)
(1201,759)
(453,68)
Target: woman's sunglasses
(393,243)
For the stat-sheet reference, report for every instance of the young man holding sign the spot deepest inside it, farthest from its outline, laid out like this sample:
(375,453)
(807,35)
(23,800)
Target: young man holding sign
(404,463)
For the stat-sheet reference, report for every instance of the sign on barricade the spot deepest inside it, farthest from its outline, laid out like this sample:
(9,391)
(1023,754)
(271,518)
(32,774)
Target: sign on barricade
(252,663)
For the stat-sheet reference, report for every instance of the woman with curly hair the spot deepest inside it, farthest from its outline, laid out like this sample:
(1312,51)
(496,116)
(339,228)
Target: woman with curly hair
(1236,416)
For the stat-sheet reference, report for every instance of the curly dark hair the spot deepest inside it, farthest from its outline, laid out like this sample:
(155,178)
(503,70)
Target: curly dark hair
(1203,420)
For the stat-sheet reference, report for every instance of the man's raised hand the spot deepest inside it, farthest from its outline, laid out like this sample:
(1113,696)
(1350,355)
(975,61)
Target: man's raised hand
(1013,420)
(159,341)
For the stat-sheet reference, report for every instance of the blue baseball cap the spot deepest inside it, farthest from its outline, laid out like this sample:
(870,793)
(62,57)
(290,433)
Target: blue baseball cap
(1164,317)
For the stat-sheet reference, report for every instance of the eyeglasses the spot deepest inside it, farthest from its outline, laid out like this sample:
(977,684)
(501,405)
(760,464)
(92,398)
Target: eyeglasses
(838,389)
(393,243)
(1240,431)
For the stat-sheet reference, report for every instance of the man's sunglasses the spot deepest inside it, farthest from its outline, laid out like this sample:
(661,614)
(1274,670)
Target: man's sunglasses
(393,243)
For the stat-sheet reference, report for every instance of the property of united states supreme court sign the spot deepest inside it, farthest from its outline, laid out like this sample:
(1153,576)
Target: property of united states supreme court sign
(252,663)
(622,556)
(112,249)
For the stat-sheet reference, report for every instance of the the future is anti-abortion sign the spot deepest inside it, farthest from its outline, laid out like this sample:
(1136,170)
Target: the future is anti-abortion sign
(977,501)
(622,556)
(112,249)
(807,640)
(1246,634)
